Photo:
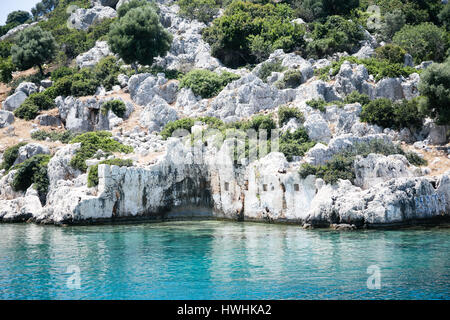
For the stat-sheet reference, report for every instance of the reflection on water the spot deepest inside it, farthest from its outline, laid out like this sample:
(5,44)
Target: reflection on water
(221,260)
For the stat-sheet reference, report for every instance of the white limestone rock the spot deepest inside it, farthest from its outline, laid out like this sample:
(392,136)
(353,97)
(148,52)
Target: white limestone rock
(376,168)
(90,58)
(16,30)
(6,118)
(320,154)
(59,167)
(247,96)
(144,87)
(157,114)
(27,88)
(29,150)
(317,128)
(14,101)
(82,19)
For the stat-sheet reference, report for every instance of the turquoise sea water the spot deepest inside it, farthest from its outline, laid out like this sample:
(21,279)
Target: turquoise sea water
(220,260)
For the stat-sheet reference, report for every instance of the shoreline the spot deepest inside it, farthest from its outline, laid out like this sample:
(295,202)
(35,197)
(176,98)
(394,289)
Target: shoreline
(439,222)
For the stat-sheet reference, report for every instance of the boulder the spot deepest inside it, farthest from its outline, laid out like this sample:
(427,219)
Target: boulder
(408,61)
(82,19)
(14,101)
(390,88)
(6,118)
(157,114)
(20,209)
(351,78)
(144,87)
(29,150)
(90,58)
(48,120)
(46,83)
(317,128)
(27,88)
(123,80)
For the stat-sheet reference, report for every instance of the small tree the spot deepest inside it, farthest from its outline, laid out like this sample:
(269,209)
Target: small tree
(139,37)
(18,17)
(34,48)
(434,85)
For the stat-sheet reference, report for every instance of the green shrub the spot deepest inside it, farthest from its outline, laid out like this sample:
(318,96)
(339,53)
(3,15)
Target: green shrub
(268,67)
(391,52)
(6,70)
(93,170)
(188,123)
(291,79)
(33,170)
(295,144)
(106,72)
(425,41)
(286,113)
(84,87)
(123,9)
(62,87)
(232,36)
(387,114)
(116,106)
(435,87)
(62,72)
(206,83)
(10,156)
(27,111)
(393,22)
(355,96)
(335,35)
(41,100)
(444,16)
(91,142)
(5,49)
(201,10)
(378,68)
(169,128)
(318,104)
(63,136)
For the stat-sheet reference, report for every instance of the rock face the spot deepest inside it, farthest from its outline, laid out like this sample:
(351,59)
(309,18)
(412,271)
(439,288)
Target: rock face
(6,118)
(86,115)
(14,31)
(188,49)
(376,168)
(247,96)
(92,57)
(20,209)
(14,101)
(82,19)
(188,182)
